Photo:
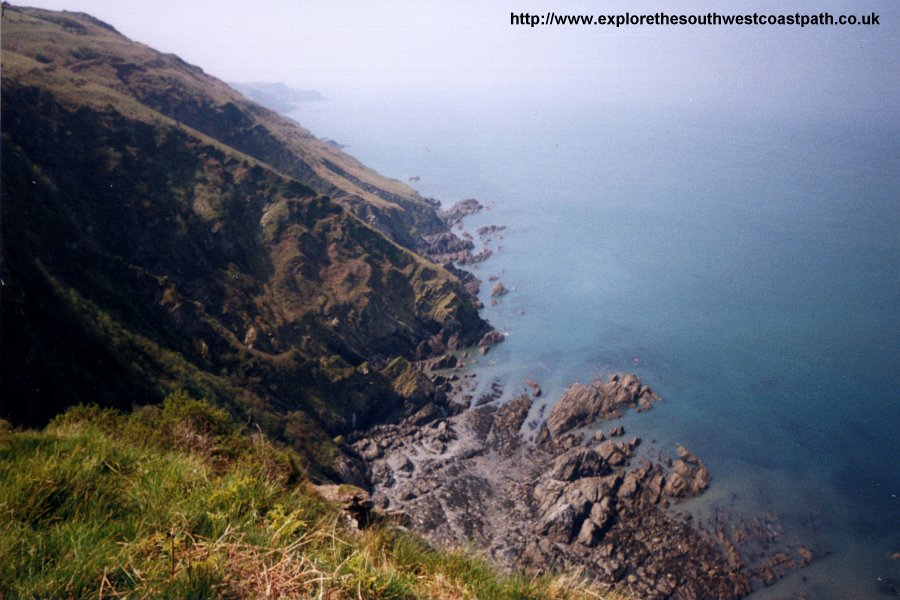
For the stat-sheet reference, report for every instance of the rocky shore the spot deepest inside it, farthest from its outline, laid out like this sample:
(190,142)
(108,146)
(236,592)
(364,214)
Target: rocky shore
(469,477)
(461,472)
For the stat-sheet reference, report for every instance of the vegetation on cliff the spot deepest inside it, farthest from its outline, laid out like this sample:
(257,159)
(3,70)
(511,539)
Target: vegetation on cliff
(161,231)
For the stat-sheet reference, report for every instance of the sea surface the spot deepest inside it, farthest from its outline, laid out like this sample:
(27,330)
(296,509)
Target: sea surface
(746,267)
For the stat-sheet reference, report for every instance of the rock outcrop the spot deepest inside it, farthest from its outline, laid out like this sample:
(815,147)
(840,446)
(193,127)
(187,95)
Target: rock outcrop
(499,290)
(557,501)
(463,208)
(582,404)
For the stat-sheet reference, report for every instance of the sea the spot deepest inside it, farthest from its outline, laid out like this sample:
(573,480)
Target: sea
(745,266)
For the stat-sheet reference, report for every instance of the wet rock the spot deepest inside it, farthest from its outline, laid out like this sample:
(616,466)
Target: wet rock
(581,404)
(535,387)
(499,290)
(613,453)
(552,501)
(470,259)
(687,456)
(491,337)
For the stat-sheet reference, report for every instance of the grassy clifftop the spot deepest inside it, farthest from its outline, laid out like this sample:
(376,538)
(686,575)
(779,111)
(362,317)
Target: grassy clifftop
(177,501)
(162,232)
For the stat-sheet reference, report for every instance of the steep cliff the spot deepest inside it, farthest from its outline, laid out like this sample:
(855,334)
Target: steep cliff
(161,231)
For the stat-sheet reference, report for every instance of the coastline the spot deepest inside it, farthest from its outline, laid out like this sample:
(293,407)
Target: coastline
(531,492)
(613,266)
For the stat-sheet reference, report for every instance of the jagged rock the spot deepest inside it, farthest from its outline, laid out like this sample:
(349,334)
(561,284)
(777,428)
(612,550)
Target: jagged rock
(468,258)
(460,209)
(556,502)
(508,420)
(617,431)
(352,469)
(490,338)
(560,523)
(582,404)
(447,361)
(613,453)
(447,242)
(590,533)
(687,456)
(371,451)
(577,463)
(499,290)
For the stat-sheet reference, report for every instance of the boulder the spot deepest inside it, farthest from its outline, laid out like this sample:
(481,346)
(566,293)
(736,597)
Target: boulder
(582,404)
(491,337)
(499,290)
(576,464)
(560,523)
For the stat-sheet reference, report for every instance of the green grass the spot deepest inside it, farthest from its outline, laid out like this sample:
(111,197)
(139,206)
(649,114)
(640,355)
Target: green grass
(177,501)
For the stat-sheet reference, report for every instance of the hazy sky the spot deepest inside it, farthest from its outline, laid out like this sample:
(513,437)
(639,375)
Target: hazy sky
(466,48)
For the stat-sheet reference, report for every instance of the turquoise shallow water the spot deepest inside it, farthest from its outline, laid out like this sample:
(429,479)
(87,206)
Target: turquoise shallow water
(748,270)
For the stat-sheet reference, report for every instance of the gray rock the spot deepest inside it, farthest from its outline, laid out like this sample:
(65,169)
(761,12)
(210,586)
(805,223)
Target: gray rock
(577,463)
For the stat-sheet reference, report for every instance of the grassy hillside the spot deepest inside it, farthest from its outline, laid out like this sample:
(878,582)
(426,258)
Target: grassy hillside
(161,232)
(95,60)
(177,501)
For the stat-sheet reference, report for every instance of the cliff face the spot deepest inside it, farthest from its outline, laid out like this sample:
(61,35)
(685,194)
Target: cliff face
(161,231)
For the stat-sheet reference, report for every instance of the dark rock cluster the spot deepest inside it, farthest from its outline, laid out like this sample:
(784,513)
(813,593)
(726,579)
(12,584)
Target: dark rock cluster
(559,501)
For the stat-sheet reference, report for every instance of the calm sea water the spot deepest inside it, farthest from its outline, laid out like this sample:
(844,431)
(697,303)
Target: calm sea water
(747,269)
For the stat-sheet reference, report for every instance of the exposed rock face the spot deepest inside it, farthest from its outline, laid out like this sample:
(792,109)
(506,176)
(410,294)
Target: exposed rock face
(555,502)
(582,404)
(447,247)
(471,259)
(447,361)
(578,463)
(491,338)
(461,209)
(201,241)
